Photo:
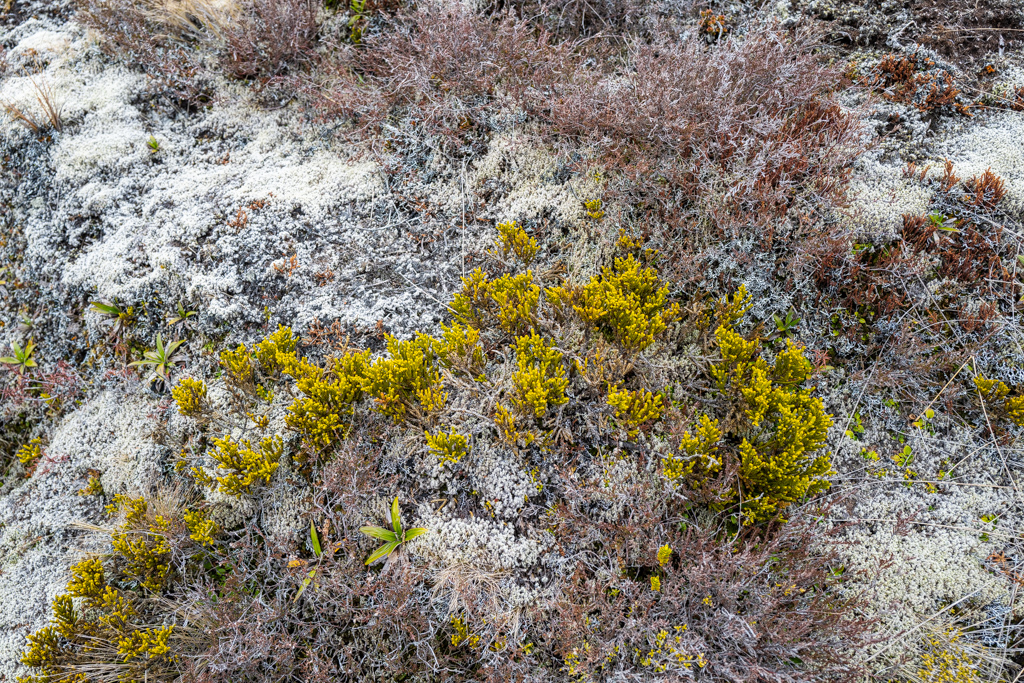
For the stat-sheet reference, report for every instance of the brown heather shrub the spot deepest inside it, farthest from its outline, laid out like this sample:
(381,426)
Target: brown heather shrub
(718,137)
(754,606)
(161,44)
(270,37)
(986,190)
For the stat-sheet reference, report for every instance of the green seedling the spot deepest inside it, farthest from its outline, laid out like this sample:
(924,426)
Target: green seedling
(160,359)
(989,519)
(180,315)
(943,223)
(784,325)
(856,428)
(392,539)
(153,144)
(318,551)
(904,458)
(922,422)
(22,359)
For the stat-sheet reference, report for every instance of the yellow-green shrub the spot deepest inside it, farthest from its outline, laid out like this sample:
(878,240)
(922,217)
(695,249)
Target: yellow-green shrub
(245,466)
(785,426)
(635,407)
(407,378)
(190,396)
(324,414)
(107,626)
(628,303)
(449,448)
(512,239)
(996,393)
(540,380)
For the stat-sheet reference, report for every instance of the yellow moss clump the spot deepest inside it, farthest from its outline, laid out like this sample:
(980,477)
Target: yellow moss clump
(149,643)
(512,239)
(628,303)
(146,553)
(540,380)
(87,579)
(462,348)
(29,453)
(201,528)
(277,351)
(246,466)
(449,448)
(511,300)
(190,396)
(237,366)
(636,407)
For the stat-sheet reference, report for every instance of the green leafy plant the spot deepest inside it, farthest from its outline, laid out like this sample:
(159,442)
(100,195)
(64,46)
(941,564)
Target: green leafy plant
(22,359)
(153,144)
(355,24)
(160,359)
(122,319)
(784,325)
(180,315)
(318,551)
(392,539)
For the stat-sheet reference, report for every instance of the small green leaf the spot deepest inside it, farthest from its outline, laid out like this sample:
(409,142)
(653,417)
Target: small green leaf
(382,551)
(315,539)
(105,308)
(379,533)
(305,584)
(929,413)
(413,533)
(396,517)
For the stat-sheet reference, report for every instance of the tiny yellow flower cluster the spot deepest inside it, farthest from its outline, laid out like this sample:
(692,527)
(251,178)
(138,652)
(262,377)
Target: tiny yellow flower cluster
(29,453)
(540,380)
(664,555)
(635,407)
(462,634)
(628,303)
(997,393)
(656,583)
(946,662)
(667,654)
(449,448)
(513,239)
(244,465)
(190,395)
